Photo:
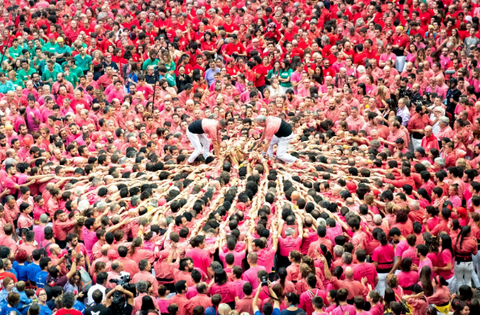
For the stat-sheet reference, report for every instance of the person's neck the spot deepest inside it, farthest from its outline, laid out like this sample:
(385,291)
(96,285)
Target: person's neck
(342,303)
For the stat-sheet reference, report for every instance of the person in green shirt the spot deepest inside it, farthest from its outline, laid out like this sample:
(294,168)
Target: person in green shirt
(62,51)
(30,47)
(26,72)
(151,61)
(83,61)
(51,45)
(275,72)
(285,74)
(12,75)
(69,76)
(39,42)
(56,66)
(169,63)
(5,86)
(169,76)
(73,67)
(50,74)
(15,51)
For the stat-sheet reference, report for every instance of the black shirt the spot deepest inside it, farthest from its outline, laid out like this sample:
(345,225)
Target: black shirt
(127,310)
(196,127)
(285,130)
(98,309)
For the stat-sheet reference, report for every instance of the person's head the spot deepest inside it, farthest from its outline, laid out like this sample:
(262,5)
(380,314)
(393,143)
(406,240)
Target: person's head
(68,300)
(8,283)
(97,296)
(13,298)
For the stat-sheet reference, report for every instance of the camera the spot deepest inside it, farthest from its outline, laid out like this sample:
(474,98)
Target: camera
(264,281)
(118,298)
(124,280)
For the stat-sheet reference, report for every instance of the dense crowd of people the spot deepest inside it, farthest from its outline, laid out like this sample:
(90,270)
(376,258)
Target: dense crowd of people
(220,157)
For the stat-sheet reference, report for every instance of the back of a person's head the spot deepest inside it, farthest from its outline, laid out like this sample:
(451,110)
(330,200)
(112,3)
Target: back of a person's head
(97,296)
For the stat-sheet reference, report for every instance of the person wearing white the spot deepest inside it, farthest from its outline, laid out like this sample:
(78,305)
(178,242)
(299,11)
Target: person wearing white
(197,133)
(278,132)
(101,282)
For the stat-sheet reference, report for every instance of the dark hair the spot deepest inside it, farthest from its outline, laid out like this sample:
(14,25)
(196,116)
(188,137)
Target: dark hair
(465,231)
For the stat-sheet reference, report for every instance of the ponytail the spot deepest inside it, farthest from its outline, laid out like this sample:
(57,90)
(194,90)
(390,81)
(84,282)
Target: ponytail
(465,231)
(137,242)
(282,274)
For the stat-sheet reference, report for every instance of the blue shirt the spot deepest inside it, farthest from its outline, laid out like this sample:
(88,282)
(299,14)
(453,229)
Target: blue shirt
(209,75)
(276,311)
(24,301)
(8,86)
(6,310)
(41,279)
(21,271)
(79,307)
(44,310)
(32,270)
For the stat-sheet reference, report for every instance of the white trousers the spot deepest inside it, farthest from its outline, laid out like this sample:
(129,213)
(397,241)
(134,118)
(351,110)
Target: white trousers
(282,146)
(400,63)
(463,273)
(416,143)
(200,143)
(452,284)
(381,285)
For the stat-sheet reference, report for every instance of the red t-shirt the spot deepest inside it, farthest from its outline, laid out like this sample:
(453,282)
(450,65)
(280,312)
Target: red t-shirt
(260,69)
(63,311)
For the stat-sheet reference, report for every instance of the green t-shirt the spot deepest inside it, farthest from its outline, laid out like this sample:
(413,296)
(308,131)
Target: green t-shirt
(77,71)
(31,51)
(62,50)
(171,66)
(56,67)
(8,86)
(25,75)
(47,75)
(83,63)
(17,83)
(285,75)
(72,78)
(170,80)
(15,53)
(52,48)
(149,62)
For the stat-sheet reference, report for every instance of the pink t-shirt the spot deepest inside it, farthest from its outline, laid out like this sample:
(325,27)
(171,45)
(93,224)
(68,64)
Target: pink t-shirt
(384,256)
(89,239)
(201,259)
(406,279)
(239,256)
(365,270)
(426,262)
(239,287)
(163,305)
(400,248)
(251,275)
(210,128)
(445,257)
(227,291)
(266,258)
(272,126)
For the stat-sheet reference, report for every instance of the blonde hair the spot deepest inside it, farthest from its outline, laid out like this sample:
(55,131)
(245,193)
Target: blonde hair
(224,309)
(99,52)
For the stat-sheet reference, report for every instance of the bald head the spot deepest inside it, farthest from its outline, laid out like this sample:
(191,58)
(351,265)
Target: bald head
(349,273)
